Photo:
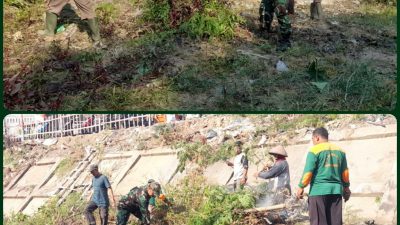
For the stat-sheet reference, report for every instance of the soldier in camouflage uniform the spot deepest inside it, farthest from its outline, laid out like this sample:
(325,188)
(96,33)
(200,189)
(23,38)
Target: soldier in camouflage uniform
(279,7)
(136,202)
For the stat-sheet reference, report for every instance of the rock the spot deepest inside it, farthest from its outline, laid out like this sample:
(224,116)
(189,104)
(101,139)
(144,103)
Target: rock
(211,134)
(17,36)
(222,139)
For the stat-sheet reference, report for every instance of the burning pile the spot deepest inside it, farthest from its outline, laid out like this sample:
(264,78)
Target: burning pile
(275,208)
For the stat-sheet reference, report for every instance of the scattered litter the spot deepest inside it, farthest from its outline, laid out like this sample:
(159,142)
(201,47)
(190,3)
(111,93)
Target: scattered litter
(60,28)
(334,22)
(354,41)
(281,66)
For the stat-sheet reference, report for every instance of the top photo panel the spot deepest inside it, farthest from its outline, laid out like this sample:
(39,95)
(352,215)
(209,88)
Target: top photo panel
(200,55)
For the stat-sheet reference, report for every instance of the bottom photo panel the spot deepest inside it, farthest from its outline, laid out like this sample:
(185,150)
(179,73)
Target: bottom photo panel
(199,169)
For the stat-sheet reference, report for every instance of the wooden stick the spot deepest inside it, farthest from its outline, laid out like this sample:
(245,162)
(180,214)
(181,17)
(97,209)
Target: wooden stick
(269,208)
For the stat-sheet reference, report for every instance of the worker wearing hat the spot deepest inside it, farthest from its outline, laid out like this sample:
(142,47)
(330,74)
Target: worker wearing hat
(136,202)
(99,197)
(240,167)
(280,169)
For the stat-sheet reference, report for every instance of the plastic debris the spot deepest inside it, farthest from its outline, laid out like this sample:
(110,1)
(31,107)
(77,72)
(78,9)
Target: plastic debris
(60,29)
(320,85)
(281,66)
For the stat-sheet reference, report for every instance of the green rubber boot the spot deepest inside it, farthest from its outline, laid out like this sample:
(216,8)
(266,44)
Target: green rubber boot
(95,33)
(51,23)
(50,27)
(94,29)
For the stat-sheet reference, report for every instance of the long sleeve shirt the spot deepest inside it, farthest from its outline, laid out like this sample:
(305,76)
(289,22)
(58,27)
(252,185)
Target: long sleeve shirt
(280,170)
(325,170)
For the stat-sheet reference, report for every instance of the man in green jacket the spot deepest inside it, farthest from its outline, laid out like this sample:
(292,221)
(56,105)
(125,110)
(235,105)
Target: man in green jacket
(327,173)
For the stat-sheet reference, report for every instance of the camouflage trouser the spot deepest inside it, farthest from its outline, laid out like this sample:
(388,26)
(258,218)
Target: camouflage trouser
(85,8)
(123,215)
(89,214)
(267,10)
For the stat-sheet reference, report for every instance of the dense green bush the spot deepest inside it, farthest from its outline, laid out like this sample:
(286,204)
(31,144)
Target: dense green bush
(384,2)
(157,12)
(215,20)
(197,18)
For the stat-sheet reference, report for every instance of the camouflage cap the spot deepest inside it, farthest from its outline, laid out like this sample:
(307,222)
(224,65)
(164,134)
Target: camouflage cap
(156,187)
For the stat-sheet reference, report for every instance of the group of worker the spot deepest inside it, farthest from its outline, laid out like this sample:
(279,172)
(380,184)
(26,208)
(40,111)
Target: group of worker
(281,8)
(325,171)
(140,201)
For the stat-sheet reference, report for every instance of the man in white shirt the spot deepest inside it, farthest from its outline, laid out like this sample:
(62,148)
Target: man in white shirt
(240,166)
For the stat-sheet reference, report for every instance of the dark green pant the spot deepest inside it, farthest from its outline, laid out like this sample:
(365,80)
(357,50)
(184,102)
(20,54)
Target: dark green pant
(267,10)
(123,215)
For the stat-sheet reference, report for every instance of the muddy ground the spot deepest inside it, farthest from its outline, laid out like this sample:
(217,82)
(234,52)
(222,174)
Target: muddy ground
(353,50)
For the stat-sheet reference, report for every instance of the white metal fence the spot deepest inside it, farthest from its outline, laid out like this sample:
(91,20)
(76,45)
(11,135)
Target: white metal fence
(15,129)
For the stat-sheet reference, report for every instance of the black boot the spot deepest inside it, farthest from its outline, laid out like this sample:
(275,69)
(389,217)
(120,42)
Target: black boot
(265,19)
(284,43)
